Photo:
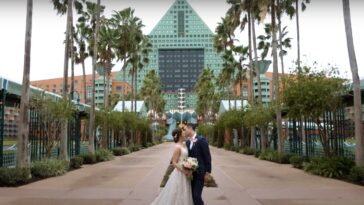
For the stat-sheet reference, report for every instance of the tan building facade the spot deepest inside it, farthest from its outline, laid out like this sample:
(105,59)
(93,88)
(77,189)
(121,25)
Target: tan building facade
(56,86)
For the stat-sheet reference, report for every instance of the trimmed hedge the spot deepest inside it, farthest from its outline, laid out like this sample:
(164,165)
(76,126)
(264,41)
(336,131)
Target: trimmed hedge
(49,168)
(89,158)
(14,176)
(247,151)
(134,148)
(296,161)
(76,162)
(357,174)
(103,155)
(336,167)
(120,151)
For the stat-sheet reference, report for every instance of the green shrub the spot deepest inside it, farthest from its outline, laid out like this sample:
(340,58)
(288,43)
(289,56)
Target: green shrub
(149,144)
(257,153)
(14,176)
(76,162)
(134,148)
(49,168)
(336,167)
(269,155)
(125,150)
(227,146)
(296,161)
(120,151)
(247,151)
(282,158)
(357,174)
(89,158)
(117,151)
(235,148)
(103,155)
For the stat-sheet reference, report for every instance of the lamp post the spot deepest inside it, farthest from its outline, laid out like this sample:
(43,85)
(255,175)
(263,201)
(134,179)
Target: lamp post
(181,101)
(79,108)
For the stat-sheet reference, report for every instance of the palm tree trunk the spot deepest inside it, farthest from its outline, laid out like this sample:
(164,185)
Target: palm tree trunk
(106,102)
(23,134)
(276,79)
(257,70)
(136,90)
(298,36)
(132,91)
(252,129)
(124,81)
(91,139)
(359,138)
(280,40)
(72,60)
(64,130)
(84,82)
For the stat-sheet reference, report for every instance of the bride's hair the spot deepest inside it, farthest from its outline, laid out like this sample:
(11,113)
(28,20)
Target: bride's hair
(176,134)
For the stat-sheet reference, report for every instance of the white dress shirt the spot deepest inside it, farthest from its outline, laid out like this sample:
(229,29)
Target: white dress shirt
(191,140)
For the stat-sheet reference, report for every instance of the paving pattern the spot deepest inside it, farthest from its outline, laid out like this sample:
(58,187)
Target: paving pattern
(134,180)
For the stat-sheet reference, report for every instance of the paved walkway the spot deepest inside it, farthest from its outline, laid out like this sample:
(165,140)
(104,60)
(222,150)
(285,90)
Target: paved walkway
(134,180)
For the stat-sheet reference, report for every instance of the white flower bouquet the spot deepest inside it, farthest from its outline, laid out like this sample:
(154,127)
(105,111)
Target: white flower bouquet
(190,163)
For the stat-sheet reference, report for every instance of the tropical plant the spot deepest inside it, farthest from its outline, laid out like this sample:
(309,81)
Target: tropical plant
(204,89)
(129,32)
(311,94)
(52,115)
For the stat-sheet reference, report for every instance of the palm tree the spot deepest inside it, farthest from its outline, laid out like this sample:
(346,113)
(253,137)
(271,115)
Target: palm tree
(107,40)
(23,134)
(303,7)
(151,92)
(283,6)
(63,6)
(359,150)
(276,77)
(91,139)
(143,52)
(80,38)
(129,30)
(204,90)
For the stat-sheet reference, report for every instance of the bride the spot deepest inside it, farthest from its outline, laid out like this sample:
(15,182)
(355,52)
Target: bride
(178,188)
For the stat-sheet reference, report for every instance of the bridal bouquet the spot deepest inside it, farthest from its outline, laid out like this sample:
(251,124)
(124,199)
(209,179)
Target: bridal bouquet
(190,163)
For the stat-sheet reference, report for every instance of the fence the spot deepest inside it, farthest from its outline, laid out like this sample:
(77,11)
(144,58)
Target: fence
(38,139)
(306,136)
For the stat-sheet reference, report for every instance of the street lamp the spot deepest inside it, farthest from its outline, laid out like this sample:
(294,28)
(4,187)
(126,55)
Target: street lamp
(181,101)
(263,65)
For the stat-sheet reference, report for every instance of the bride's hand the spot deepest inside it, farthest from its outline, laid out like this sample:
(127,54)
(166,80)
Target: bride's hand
(187,172)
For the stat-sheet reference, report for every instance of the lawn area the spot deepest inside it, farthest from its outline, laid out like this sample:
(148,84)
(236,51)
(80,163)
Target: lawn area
(9,142)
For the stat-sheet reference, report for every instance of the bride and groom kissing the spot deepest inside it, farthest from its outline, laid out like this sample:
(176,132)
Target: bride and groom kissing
(184,186)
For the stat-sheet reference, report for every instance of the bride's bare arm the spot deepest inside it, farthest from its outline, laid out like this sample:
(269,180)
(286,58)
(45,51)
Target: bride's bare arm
(175,157)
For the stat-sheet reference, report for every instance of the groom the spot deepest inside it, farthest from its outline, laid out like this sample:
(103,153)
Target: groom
(198,148)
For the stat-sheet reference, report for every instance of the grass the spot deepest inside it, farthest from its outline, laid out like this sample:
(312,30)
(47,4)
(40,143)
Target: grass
(9,142)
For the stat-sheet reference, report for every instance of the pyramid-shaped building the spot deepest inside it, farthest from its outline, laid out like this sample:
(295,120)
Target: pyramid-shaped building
(182,48)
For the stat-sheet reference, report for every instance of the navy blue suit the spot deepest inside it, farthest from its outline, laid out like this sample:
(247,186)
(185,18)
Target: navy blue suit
(201,151)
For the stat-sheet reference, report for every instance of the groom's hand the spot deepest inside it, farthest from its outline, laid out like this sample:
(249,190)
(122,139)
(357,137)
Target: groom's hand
(207,177)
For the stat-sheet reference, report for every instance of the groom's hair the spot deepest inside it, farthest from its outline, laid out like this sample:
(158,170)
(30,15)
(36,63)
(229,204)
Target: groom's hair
(193,126)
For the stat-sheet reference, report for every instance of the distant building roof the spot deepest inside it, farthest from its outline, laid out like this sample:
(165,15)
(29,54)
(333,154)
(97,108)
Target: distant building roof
(224,105)
(140,107)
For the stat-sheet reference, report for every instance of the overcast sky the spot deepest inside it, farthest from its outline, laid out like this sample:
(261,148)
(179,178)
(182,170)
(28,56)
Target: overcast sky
(322,33)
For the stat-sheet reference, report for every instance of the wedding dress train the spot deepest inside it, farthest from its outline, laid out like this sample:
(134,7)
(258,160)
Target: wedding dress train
(177,191)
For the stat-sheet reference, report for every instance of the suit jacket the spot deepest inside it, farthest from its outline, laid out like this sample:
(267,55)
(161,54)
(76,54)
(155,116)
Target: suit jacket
(201,152)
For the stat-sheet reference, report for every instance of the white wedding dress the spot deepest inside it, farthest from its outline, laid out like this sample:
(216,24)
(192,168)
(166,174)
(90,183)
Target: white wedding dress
(177,191)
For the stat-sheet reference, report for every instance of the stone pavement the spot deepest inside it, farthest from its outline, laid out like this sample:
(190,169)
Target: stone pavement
(134,180)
